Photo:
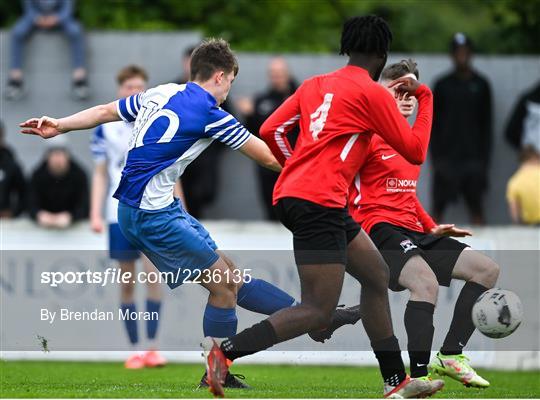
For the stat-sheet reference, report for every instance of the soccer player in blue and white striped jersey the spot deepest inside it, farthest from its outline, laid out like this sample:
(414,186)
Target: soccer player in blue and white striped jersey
(173,125)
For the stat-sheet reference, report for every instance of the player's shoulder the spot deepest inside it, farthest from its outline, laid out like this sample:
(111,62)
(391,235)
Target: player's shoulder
(167,89)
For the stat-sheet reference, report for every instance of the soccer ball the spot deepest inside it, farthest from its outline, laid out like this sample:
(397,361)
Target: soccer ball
(497,313)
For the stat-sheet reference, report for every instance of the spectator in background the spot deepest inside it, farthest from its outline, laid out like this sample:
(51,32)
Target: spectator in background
(200,180)
(12,182)
(58,191)
(47,15)
(461,135)
(523,190)
(281,86)
(524,125)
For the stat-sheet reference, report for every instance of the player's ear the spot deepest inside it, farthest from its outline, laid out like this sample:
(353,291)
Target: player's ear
(219,76)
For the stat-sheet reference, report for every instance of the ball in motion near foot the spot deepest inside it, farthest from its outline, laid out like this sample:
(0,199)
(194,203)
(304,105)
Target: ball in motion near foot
(497,313)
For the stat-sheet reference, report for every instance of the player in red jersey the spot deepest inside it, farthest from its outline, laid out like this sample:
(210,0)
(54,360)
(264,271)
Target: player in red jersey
(337,113)
(419,252)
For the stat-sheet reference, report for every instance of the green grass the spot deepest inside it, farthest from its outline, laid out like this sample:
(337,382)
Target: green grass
(88,379)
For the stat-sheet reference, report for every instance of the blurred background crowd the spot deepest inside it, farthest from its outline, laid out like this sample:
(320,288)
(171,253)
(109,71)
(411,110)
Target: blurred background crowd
(481,127)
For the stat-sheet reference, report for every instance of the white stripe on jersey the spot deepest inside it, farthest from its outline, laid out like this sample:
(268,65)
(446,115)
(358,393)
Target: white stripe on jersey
(348,146)
(218,123)
(240,140)
(222,132)
(128,108)
(278,135)
(228,137)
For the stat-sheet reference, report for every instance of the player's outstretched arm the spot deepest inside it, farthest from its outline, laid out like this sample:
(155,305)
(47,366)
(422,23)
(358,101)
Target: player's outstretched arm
(48,127)
(258,151)
(411,143)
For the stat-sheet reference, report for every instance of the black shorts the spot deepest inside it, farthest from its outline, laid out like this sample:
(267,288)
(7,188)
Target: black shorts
(397,245)
(320,234)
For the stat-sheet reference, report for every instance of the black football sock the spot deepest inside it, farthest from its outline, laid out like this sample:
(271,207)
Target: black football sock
(390,362)
(462,326)
(259,337)
(419,327)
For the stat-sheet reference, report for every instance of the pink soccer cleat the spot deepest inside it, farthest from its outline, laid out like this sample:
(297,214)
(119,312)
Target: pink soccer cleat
(153,359)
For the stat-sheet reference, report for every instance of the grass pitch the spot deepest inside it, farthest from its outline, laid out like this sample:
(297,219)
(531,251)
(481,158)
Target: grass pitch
(110,380)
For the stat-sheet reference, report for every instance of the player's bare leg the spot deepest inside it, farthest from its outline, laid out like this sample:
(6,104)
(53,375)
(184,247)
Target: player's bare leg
(366,264)
(320,290)
(480,274)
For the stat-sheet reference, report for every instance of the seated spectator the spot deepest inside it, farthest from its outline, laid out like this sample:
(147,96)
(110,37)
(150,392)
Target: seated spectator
(280,86)
(12,183)
(47,15)
(524,124)
(523,190)
(58,191)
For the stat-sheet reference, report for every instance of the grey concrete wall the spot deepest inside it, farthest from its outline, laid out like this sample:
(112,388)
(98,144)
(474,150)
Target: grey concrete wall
(48,82)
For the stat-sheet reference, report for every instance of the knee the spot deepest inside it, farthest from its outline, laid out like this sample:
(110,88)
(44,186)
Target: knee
(377,277)
(72,28)
(320,317)
(128,291)
(21,30)
(488,273)
(226,292)
(425,287)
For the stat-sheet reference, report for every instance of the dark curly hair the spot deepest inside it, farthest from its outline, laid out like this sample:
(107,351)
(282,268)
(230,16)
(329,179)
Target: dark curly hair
(368,34)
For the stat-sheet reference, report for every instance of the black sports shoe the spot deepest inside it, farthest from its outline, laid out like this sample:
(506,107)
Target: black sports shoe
(342,316)
(14,90)
(232,381)
(80,89)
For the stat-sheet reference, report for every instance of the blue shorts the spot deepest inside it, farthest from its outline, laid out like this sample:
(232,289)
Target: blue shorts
(175,242)
(119,247)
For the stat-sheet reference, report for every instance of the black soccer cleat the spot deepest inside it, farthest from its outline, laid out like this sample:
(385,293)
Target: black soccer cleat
(232,381)
(342,316)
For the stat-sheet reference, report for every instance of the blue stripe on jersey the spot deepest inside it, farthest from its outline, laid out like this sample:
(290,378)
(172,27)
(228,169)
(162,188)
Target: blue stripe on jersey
(199,121)
(225,129)
(127,108)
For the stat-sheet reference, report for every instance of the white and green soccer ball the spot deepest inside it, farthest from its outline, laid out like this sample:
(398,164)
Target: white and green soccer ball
(497,313)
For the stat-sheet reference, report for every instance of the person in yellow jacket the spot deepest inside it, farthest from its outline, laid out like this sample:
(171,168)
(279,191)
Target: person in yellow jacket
(523,189)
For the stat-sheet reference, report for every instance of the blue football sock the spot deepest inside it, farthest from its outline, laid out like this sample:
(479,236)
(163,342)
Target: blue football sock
(219,322)
(131,324)
(152,324)
(262,297)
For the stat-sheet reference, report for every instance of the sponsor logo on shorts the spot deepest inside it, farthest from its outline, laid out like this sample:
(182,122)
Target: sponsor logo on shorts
(407,245)
(400,185)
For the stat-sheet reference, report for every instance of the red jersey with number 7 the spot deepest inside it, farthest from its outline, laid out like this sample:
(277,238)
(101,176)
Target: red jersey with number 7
(338,113)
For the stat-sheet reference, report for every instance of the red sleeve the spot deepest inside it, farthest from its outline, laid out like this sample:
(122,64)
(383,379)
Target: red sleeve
(425,219)
(387,122)
(274,130)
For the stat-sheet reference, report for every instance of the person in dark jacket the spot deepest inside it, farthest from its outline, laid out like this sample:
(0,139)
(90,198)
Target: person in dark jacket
(12,182)
(281,86)
(58,191)
(523,127)
(462,135)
